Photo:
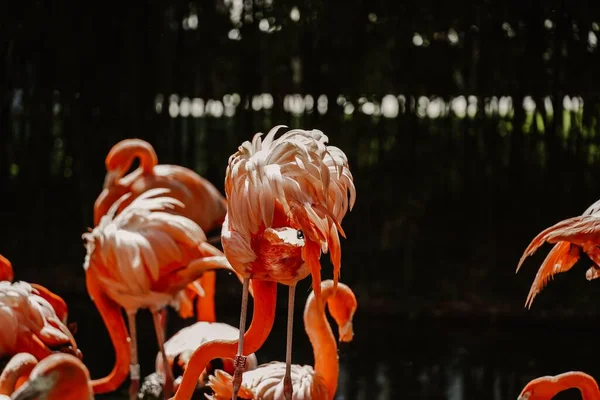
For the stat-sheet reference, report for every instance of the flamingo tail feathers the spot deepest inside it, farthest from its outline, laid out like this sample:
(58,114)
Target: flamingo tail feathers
(561,258)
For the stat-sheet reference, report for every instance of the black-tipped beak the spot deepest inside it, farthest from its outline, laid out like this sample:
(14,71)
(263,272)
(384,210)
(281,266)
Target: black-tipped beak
(30,390)
(346,332)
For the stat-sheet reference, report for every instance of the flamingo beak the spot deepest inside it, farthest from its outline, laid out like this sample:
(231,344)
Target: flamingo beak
(110,178)
(524,396)
(34,388)
(346,332)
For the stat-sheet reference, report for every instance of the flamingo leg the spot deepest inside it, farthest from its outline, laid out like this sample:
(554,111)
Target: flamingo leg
(160,337)
(240,359)
(163,315)
(134,365)
(205,305)
(287,379)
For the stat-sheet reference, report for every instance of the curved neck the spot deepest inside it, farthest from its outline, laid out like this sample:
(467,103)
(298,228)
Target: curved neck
(106,199)
(322,340)
(265,299)
(127,151)
(144,152)
(20,366)
(585,383)
(115,324)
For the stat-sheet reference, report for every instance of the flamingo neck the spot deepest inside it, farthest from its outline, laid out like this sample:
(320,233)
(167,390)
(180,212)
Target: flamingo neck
(106,199)
(321,337)
(582,381)
(20,366)
(114,322)
(265,299)
(129,151)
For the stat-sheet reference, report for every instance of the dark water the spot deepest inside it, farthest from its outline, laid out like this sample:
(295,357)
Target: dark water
(469,128)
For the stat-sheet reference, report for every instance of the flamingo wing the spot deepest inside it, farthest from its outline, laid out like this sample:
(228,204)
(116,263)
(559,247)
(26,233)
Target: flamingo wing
(569,236)
(266,383)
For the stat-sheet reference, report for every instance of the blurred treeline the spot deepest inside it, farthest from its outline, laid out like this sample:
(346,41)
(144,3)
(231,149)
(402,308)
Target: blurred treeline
(469,126)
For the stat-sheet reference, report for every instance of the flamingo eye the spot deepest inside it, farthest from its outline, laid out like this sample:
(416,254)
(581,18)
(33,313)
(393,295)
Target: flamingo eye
(299,234)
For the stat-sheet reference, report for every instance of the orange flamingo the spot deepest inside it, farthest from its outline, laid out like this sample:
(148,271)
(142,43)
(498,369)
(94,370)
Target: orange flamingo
(180,347)
(263,316)
(570,237)
(320,383)
(30,324)
(286,198)
(57,377)
(209,206)
(15,373)
(201,200)
(546,387)
(142,258)
(59,305)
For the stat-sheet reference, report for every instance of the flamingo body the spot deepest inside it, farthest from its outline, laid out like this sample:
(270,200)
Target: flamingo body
(142,257)
(265,383)
(30,324)
(203,202)
(181,346)
(286,200)
(59,305)
(198,200)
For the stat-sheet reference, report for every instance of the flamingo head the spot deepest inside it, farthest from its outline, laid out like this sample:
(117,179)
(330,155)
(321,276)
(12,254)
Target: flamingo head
(546,387)
(120,158)
(58,376)
(540,388)
(342,306)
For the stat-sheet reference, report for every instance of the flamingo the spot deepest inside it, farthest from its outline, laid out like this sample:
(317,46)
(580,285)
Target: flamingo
(180,347)
(186,186)
(203,204)
(142,258)
(59,305)
(57,377)
(286,199)
(15,372)
(570,237)
(30,324)
(319,383)
(546,387)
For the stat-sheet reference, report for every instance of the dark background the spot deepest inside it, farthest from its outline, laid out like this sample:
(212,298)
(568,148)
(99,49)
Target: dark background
(488,134)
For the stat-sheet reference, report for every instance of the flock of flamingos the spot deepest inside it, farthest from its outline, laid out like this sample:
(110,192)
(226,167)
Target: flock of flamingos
(285,201)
